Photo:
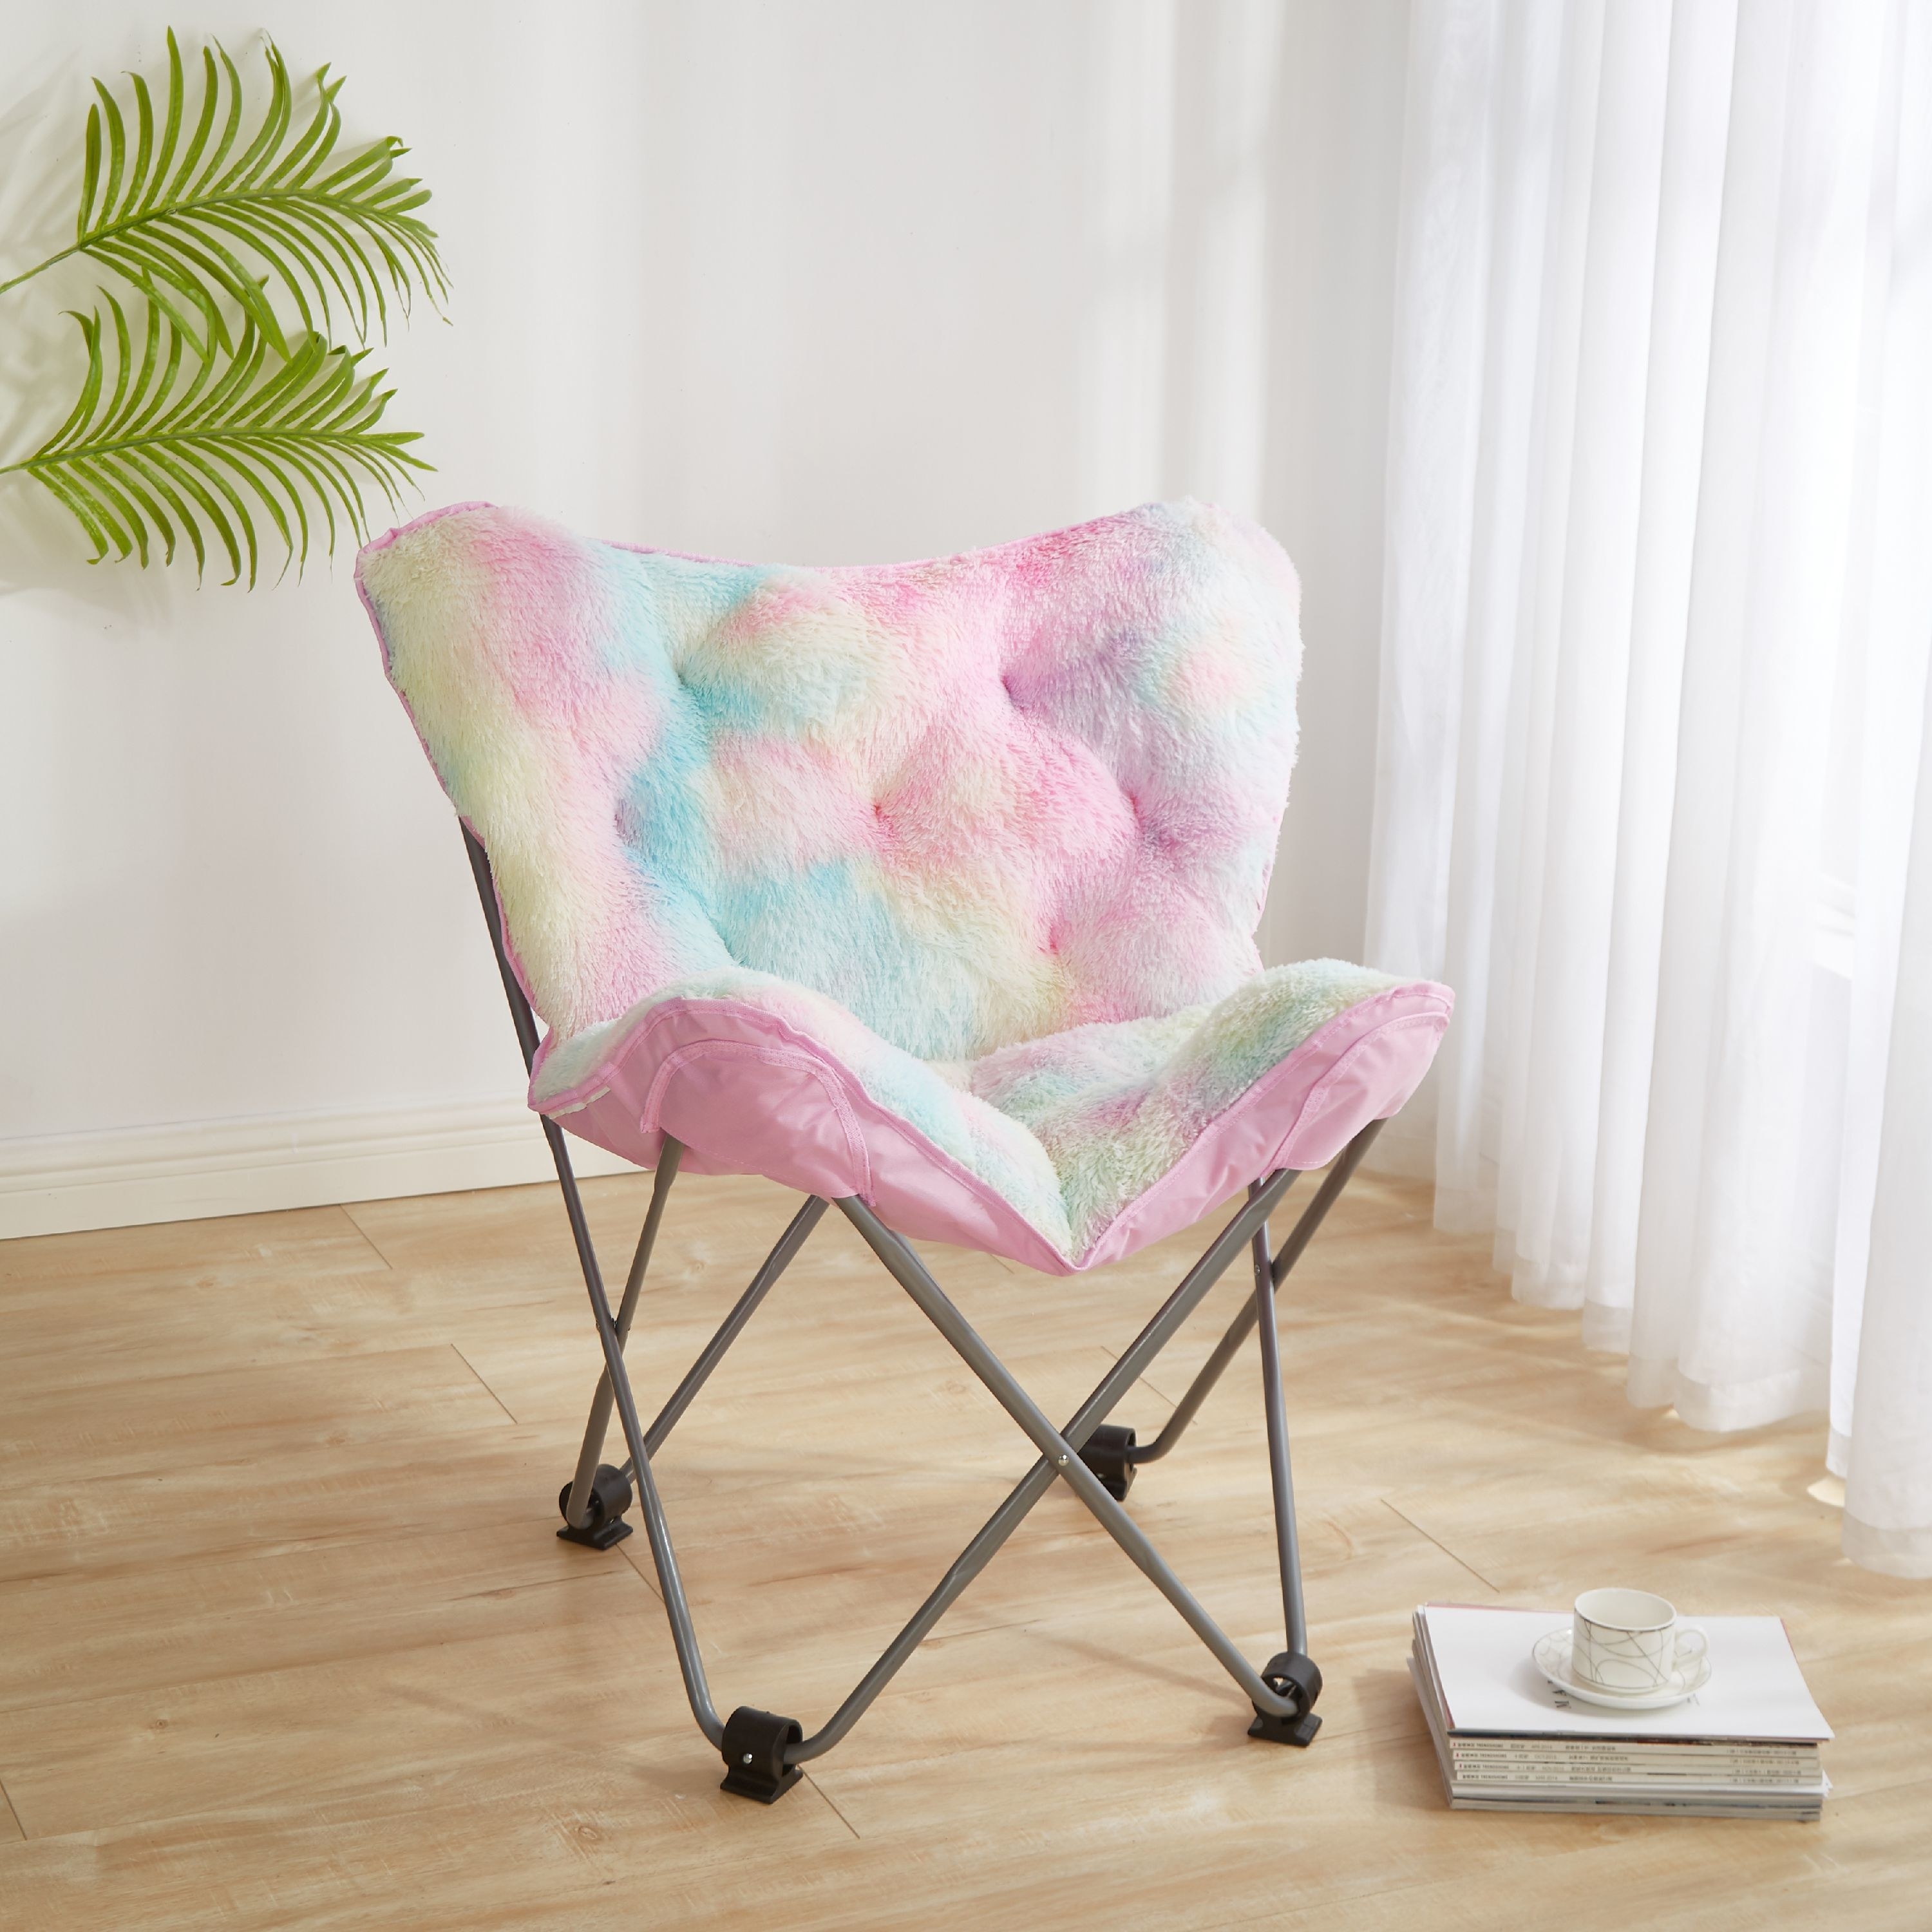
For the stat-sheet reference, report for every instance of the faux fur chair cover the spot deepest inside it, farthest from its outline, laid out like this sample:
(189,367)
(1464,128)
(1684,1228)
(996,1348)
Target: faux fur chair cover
(934,883)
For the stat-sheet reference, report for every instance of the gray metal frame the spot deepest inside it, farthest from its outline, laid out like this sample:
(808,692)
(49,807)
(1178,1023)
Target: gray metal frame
(1059,1457)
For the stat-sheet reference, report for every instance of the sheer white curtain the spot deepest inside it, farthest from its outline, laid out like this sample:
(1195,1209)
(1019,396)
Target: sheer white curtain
(1653,791)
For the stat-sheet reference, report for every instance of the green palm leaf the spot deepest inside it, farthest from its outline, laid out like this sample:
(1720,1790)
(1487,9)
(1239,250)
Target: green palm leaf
(188,214)
(153,453)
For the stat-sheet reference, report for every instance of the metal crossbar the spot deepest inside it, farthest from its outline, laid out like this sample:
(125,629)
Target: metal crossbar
(1338,1175)
(762,1753)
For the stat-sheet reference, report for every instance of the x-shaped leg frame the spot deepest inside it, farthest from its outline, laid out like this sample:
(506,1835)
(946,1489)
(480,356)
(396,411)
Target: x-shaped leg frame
(763,1753)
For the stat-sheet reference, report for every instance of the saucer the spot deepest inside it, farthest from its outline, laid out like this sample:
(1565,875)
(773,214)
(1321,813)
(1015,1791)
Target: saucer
(1552,1653)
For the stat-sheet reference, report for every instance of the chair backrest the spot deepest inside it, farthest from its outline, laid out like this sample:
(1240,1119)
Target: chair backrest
(975,800)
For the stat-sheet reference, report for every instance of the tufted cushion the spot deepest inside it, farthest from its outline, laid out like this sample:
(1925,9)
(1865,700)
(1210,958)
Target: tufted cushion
(974,800)
(963,857)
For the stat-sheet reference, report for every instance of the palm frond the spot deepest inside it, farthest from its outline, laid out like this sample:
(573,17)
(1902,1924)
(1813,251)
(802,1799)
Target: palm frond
(161,449)
(188,214)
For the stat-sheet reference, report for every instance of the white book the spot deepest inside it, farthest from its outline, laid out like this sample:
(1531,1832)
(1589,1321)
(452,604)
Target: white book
(1622,1797)
(1700,1778)
(1662,1757)
(1478,1662)
(1647,1808)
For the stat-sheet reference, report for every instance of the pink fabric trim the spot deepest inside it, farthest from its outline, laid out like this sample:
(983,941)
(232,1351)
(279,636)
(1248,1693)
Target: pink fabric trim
(1371,1081)
(852,1174)
(746,1093)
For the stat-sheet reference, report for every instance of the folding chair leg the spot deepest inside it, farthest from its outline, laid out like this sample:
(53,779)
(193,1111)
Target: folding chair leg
(595,1498)
(1065,1459)
(775,1264)
(1161,1329)
(1340,1174)
(670,1584)
(1291,1670)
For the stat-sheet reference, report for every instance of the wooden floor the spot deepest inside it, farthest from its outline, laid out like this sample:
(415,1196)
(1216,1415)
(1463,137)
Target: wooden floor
(287,1640)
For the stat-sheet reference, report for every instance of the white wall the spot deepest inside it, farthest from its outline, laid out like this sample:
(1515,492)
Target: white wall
(824,282)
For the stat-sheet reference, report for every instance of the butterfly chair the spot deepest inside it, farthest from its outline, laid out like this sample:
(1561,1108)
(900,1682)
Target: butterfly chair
(929,892)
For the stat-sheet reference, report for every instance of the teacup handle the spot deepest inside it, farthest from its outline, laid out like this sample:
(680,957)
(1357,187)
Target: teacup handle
(1693,1647)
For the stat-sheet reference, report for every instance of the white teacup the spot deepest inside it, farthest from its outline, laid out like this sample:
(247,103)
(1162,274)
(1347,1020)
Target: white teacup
(1629,1640)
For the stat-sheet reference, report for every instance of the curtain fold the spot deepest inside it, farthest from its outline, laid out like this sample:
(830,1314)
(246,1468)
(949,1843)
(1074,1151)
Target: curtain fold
(1652,791)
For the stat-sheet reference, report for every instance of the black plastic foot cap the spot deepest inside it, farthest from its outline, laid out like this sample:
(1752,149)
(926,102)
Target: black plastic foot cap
(1106,1453)
(603,1522)
(1290,1675)
(1285,1730)
(602,1537)
(754,1751)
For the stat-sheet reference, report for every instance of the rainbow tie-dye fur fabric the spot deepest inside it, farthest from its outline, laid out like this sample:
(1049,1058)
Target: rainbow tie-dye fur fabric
(935,883)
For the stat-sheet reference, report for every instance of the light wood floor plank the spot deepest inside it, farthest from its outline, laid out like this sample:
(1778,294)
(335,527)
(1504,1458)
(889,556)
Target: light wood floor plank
(1716,1875)
(387,1486)
(45,1274)
(66,1640)
(286,1638)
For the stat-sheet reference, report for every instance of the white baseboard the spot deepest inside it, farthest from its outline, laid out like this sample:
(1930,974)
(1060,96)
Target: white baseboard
(63,1184)
(189,1172)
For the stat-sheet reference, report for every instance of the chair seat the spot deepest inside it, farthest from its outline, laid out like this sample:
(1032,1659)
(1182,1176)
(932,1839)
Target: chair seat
(1061,1152)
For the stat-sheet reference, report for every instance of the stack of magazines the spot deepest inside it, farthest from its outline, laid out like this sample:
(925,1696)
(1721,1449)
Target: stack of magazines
(1507,1739)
